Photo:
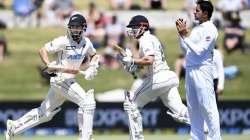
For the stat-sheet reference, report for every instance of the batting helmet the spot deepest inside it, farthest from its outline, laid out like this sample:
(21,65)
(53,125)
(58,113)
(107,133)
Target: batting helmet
(77,25)
(139,24)
(138,21)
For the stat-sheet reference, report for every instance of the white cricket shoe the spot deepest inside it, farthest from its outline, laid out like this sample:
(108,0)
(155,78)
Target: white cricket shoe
(80,136)
(9,132)
(178,118)
(90,138)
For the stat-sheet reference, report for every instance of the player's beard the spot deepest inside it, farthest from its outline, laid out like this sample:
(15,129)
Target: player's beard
(75,35)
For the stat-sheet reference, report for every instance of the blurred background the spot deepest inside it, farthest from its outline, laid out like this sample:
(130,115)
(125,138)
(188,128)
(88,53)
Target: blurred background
(26,25)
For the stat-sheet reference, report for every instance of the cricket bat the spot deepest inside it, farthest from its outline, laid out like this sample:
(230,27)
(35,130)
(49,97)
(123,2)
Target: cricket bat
(120,49)
(123,53)
(60,69)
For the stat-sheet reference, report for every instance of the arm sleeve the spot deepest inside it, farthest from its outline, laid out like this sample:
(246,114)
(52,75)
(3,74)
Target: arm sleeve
(91,49)
(148,47)
(183,45)
(55,45)
(220,67)
(196,42)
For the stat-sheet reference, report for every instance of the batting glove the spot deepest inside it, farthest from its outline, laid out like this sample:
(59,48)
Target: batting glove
(127,59)
(131,68)
(128,52)
(90,73)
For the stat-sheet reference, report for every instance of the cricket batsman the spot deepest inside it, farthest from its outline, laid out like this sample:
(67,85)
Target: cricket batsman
(71,49)
(159,80)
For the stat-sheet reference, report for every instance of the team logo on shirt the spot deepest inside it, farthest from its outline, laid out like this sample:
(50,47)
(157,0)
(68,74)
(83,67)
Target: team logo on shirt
(208,38)
(70,47)
(75,57)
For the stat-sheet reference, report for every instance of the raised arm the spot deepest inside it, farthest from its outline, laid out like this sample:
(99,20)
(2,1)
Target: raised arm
(199,40)
(193,42)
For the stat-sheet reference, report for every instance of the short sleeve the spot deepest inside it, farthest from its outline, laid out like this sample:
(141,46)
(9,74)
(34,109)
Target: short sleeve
(147,47)
(55,45)
(91,49)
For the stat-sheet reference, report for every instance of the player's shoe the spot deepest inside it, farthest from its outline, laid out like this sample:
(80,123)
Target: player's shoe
(178,118)
(80,136)
(9,132)
(90,138)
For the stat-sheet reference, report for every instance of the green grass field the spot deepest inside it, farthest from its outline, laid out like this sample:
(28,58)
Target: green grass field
(125,137)
(20,79)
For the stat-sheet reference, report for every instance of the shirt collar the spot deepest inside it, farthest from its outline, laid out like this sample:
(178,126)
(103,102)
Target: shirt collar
(146,33)
(207,22)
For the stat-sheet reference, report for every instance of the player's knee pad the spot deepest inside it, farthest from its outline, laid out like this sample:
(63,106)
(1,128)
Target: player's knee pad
(130,107)
(32,118)
(134,119)
(86,115)
(45,116)
(80,119)
(85,123)
(89,101)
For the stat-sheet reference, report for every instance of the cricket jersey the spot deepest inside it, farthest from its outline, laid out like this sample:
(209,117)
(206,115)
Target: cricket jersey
(199,46)
(69,53)
(150,45)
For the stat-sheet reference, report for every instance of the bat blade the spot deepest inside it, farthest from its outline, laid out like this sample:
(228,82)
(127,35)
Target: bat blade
(120,49)
(64,70)
(123,52)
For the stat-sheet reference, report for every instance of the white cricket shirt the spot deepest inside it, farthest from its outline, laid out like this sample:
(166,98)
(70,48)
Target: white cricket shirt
(199,46)
(150,45)
(218,60)
(69,53)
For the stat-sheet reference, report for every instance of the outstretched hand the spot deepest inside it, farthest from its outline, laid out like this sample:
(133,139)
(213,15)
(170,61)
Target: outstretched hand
(181,26)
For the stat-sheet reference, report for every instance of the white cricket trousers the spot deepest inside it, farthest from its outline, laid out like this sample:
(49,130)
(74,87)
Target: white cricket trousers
(164,85)
(201,102)
(61,89)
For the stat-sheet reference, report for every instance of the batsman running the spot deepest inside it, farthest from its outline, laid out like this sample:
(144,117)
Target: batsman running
(71,49)
(159,81)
